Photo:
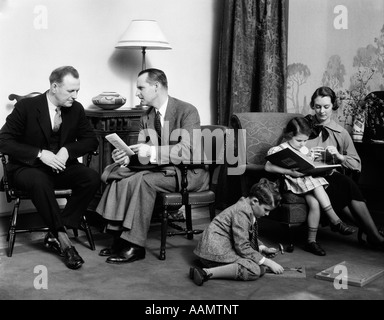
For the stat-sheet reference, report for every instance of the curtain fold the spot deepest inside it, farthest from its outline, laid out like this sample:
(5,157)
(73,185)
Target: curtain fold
(252,58)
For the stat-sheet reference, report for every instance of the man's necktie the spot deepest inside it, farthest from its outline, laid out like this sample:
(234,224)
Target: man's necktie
(57,120)
(158,124)
(253,235)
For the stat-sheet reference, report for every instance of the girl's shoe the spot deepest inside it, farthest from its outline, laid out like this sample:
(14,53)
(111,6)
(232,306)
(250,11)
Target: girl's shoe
(342,228)
(314,247)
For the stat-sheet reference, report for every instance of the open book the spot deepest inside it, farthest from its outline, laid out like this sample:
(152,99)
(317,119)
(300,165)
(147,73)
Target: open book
(118,143)
(291,159)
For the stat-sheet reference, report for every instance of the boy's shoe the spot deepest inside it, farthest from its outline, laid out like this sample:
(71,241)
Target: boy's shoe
(198,275)
(342,228)
(314,248)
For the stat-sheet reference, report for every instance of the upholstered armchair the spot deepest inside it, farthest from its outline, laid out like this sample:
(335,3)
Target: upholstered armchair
(264,130)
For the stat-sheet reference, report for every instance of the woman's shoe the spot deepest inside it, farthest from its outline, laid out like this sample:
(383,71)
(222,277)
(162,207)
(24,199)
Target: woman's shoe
(375,245)
(361,233)
(314,247)
(342,228)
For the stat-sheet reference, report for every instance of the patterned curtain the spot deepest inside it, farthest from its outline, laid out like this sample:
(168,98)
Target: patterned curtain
(252,57)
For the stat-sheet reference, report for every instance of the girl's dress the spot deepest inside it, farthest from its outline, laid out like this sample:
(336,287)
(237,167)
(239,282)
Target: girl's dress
(300,185)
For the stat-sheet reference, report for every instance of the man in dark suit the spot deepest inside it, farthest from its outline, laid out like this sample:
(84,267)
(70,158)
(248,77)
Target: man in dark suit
(43,137)
(165,137)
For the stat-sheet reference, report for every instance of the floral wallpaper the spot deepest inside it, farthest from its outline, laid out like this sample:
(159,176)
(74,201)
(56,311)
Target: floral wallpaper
(335,48)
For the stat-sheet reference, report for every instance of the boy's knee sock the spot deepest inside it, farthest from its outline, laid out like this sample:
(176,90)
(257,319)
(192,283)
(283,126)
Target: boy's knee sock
(228,271)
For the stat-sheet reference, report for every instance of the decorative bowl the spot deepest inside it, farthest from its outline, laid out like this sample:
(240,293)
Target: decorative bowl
(109,100)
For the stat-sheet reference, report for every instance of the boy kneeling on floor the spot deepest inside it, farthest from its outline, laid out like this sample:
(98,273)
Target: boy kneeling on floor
(229,247)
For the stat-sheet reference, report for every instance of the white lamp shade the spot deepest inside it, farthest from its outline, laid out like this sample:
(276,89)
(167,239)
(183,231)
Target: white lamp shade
(144,34)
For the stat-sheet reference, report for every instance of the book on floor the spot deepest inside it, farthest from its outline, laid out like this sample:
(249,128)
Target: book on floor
(356,274)
(290,159)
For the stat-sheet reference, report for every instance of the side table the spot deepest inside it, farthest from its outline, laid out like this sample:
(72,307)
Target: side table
(123,122)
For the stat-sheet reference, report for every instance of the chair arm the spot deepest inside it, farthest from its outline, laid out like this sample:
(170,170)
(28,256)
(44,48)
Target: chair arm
(253,168)
(90,155)
(253,173)
(257,170)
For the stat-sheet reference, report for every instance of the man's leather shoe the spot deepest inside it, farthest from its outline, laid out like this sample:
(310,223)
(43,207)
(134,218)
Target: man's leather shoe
(106,252)
(72,259)
(314,248)
(126,255)
(342,228)
(52,243)
(113,249)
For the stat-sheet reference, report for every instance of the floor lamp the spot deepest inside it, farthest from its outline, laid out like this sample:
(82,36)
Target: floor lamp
(143,34)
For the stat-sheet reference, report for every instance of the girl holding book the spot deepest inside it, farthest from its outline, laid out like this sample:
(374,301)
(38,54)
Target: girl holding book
(296,135)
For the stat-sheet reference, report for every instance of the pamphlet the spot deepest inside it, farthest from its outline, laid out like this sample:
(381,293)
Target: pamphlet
(291,159)
(118,143)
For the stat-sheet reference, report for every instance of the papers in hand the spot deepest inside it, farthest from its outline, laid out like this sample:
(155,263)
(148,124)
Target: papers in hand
(290,159)
(118,143)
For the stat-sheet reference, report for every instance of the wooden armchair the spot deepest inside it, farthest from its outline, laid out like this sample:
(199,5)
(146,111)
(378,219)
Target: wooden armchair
(16,196)
(214,157)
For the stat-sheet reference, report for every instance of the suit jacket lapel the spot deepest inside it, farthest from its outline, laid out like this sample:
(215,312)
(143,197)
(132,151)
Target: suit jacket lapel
(43,118)
(151,119)
(169,118)
(151,125)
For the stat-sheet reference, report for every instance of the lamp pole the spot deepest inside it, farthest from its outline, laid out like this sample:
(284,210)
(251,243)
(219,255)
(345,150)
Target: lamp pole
(143,63)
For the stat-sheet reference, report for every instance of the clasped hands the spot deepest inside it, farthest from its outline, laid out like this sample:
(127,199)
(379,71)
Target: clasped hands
(56,161)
